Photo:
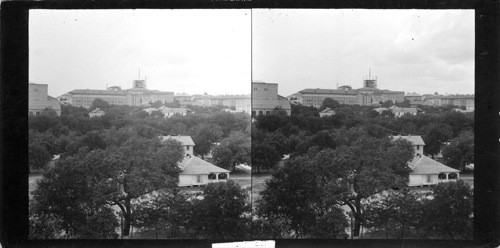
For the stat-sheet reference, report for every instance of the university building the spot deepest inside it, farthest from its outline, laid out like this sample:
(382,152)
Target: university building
(38,99)
(265,99)
(366,96)
(139,95)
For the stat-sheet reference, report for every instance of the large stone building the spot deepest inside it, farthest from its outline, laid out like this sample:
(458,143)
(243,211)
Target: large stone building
(265,99)
(366,96)
(38,99)
(466,101)
(139,95)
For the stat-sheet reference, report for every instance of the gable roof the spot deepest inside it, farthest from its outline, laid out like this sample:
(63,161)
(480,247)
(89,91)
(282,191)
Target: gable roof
(414,139)
(195,166)
(184,140)
(328,110)
(424,165)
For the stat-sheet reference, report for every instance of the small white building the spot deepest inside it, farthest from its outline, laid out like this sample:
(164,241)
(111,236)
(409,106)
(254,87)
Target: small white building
(327,112)
(96,113)
(168,112)
(398,112)
(186,142)
(196,171)
(417,141)
(427,171)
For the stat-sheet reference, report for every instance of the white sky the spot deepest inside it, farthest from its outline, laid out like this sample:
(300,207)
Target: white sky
(421,51)
(191,51)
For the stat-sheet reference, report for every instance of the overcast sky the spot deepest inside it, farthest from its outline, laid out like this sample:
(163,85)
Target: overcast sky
(421,51)
(191,51)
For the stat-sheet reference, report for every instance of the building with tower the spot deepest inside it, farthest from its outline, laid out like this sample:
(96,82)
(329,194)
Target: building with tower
(366,96)
(138,95)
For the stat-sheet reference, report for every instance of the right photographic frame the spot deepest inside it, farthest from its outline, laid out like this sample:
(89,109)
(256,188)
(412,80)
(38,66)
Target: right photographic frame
(363,124)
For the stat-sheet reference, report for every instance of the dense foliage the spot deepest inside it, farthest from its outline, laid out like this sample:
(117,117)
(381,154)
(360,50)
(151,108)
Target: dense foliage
(114,169)
(343,161)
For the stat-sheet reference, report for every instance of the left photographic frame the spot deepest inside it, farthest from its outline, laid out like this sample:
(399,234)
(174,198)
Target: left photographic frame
(139,124)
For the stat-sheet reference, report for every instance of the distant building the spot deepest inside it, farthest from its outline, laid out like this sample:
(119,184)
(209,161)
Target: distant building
(168,112)
(240,103)
(265,99)
(315,97)
(194,170)
(182,97)
(433,98)
(366,96)
(96,113)
(139,95)
(39,100)
(398,111)
(413,97)
(327,112)
(466,101)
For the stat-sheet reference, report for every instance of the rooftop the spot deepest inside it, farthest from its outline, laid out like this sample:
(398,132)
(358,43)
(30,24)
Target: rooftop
(195,166)
(423,165)
(414,139)
(184,140)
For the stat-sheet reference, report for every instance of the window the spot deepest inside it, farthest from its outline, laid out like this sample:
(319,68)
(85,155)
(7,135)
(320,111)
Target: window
(428,178)
(442,176)
(222,176)
(265,89)
(198,178)
(418,147)
(452,176)
(212,176)
(260,113)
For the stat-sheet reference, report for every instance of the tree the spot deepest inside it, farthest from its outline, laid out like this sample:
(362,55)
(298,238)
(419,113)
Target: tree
(398,214)
(387,114)
(460,151)
(435,136)
(329,103)
(163,215)
(205,136)
(450,213)
(386,104)
(43,122)
(91,180)
(223,212)
(100,104)
(156,104)
(264,156)
(232,151)
(293,198)
(361,168)
(157,114)
(38,156)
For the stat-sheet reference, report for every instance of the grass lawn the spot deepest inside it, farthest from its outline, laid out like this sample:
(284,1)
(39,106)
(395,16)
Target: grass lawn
(259,184)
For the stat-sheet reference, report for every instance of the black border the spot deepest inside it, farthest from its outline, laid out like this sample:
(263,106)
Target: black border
(14,127)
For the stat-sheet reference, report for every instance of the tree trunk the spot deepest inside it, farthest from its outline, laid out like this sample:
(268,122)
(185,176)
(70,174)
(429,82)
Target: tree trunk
(357,217)
(128,218)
